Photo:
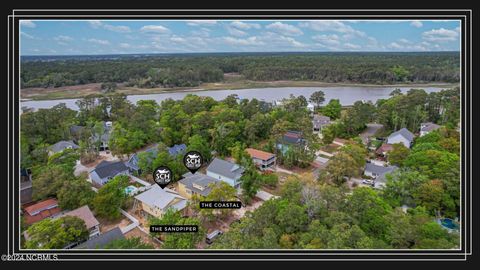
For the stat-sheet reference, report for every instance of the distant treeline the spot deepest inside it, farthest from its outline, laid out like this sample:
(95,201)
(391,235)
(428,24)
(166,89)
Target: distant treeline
(192,70)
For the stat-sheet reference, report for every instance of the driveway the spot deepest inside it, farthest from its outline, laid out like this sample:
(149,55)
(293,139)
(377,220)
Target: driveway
(371,129)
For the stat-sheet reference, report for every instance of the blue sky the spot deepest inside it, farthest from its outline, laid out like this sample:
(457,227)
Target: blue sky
(39,37)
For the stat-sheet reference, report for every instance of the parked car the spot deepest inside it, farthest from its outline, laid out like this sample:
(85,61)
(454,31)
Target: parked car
(211,236)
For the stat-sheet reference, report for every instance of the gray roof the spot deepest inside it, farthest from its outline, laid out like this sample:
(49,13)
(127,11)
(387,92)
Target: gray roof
(320,120)
(429,126)
(161,198)
(133,161)
(62,145)
(102,240)
(76,129)
(293,137)
(109,168)
(378,170)
(225,168)
(199,179)
(404,132)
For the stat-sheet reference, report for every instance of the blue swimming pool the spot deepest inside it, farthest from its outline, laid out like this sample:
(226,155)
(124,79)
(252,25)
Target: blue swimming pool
(130,190)
(449,223)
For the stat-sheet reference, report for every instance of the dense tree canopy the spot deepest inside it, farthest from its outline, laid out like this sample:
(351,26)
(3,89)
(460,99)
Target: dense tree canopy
(191,70)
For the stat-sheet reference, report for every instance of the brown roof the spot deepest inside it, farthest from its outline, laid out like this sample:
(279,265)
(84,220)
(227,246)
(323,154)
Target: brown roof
(86,215)
(40,206)
(254,153)
(384,148)
(40,211)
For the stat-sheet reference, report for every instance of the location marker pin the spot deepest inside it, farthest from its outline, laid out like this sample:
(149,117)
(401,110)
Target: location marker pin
(193,160)
(162,176)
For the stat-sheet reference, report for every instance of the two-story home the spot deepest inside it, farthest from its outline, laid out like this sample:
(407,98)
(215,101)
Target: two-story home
(105,137)
(226,171)
(156,201)
(84,213)
(426,128)
(198,183)
(263,160)
(106,170)
(319,122)
(403,136)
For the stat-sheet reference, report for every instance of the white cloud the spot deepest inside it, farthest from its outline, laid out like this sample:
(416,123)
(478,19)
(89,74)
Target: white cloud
(63,38)
(251,41)
(117,28)
(27,23)
(23,34)
(244,25)
(329,26)
(155,29)
(236,32)
(327,40)
(417,24)
(99,41)
(202,22)
(96,24)
(351,46)
(440,35)
(284,29)
(125,45)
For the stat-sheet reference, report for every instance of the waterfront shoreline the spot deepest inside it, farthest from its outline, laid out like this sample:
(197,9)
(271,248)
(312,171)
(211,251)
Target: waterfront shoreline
(132,91)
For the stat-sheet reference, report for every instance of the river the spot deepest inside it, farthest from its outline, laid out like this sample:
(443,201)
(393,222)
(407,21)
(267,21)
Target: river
(347,95)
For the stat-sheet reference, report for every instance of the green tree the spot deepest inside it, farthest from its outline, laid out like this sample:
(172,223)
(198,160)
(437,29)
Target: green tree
(332,109)
(318,97)
(56,233)
(49,181)
(250,183)
(398,154)
(110,197)
(74,194)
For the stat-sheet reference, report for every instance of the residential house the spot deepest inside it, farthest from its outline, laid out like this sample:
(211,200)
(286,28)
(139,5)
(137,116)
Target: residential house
(403,136)
(384,149)
(106,170)
(426,128)
(291,138)
(226,171)
(26,190)
(378,172)
(132,162)
(84,213)
(61,146)
(105,137)
(263,160)
(39,211)
(102,240)
(319,122)
(177,149)
(197,183)
(156,201)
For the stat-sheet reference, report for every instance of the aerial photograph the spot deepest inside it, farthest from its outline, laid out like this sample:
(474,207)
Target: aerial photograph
(248,134)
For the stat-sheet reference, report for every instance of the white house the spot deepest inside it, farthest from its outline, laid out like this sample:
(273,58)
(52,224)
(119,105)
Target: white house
(226,171)
(426,128)
(156,201)
(403,136)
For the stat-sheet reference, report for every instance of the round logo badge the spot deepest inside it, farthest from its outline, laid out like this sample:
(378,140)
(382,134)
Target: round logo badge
(193,160)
